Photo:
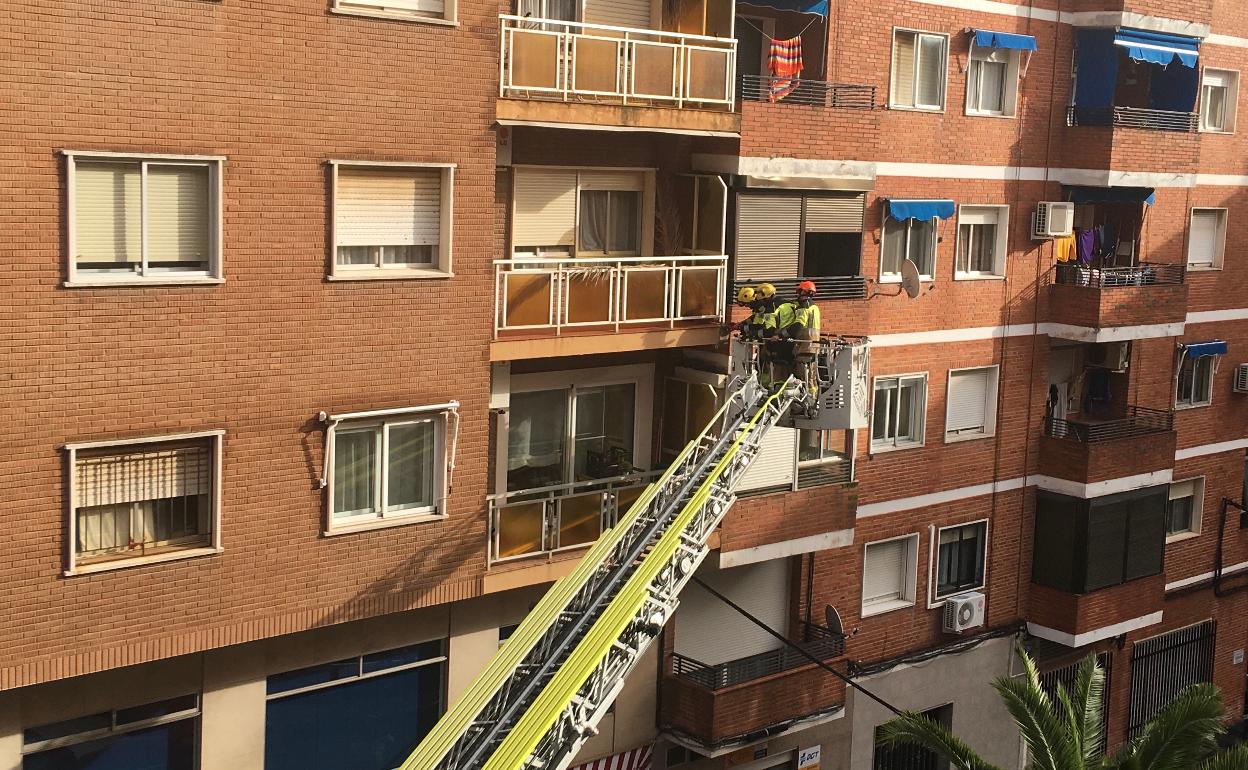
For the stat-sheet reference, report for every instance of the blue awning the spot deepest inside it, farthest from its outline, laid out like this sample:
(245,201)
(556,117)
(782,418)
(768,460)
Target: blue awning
(922,210)
(1082,194)
(1159,47)
(819,7)
(1007,40)
(1201,349)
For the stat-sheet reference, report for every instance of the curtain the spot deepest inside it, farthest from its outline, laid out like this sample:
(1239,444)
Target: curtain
(894,245)
(595,205)
(625,221)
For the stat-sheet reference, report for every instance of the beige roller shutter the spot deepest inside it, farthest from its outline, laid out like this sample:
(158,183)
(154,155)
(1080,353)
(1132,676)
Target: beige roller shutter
(968,399)
(177,214)
(107,213)
(884,573)
(634,14)
(710,631)
(903,69)
(775,464)
(143,475)
(613,180)
(835,214)
(769,235)
(385,207)
(545,206)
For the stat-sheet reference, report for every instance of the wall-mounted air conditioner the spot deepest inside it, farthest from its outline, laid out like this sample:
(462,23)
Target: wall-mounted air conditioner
(1241,378)
(963,612)
(1053,219)
(1110,355)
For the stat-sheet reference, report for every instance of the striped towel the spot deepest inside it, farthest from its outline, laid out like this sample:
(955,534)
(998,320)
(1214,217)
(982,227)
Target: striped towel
(784,61)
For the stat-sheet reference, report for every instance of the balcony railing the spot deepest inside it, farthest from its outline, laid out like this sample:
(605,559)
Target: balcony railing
(1139,421)
(820,642)
(818,93)
(1145,274)
(828,287)
(565,295)
(1133,117)
(546,520)
(568,60)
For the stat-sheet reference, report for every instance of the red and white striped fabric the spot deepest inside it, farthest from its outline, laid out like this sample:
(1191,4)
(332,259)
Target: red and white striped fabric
(637,759)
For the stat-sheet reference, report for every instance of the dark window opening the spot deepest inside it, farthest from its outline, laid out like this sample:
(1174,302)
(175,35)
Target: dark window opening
(910,757)
(960,563)
(831,254)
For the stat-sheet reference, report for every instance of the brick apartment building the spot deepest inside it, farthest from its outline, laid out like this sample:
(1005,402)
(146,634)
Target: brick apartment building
(336,329)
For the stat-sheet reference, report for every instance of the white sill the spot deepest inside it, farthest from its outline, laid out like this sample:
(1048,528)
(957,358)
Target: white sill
(1181,536)
(957,438)
(972,114)
(871,610)
(1220,132)
(895,278)
(395,16)
(95,283)
(1203,268)
(885,448)
(977,277)
(941,599)
(139,561)
(903,108)
(388,275)
(1193,406)
(386,523)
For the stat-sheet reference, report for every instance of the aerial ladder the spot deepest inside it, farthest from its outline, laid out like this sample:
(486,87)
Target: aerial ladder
(542,695)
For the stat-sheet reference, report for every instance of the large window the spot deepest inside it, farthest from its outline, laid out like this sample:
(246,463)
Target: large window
(387,468)
(565,212)
(781,236)
(1206,242)
(411,10)
(1195,382)
(137,219)
(971,407)
(888,574)
(392,221)
(154,736)
(824,457)
(366,712)
(918,73)
(908,239)
(1183,510)
(992,81)
(960,558)
(898,411)
(982,241)
(140,500)
(1218,96)
(610,223)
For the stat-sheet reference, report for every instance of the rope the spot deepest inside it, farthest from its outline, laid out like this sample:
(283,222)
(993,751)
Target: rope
(772,39)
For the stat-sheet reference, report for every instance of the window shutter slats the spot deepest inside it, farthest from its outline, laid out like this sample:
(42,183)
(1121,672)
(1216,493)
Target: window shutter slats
(774,466)
(177,214)
(711,632)
(1203,246)
(968,396)
(545,203)
(619,13)
(137,476)
(903,69)
(883,575)
(836,214)
(769,234)
(428,7)
(383,207)
(107,213)
(633,181)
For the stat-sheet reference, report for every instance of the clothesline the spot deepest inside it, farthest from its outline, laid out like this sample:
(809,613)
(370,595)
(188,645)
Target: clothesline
(762,32)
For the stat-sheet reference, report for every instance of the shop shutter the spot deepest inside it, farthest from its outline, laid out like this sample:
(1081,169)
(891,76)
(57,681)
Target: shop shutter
(545,207)
(107,213)
(769,235)
(835,214)
(711,632)
(775,464)
(884,571)
(388,207)
(968,397)
(634,14)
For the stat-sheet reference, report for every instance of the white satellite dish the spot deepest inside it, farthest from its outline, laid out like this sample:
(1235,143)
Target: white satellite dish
(910,278)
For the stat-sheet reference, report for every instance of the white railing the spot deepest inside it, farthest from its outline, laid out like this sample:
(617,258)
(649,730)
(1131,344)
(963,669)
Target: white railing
(566,60)
(609,293)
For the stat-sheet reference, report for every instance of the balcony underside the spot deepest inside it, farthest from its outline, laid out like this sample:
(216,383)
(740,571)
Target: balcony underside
(616,117)
(588,343)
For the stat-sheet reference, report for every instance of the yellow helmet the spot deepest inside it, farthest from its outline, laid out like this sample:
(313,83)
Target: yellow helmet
(745,295)
(764,291)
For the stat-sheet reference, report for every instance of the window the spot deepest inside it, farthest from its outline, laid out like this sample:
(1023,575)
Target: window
(387,468)
(154,736)
(610,222)
(971,408)
(918,77)
(960,558)
(888,575)
(908,239)
(823,457)
(1184,508)
(899,406)
(559,213)
(412,10)
(1207,241)
(909,756)
(982,241)
(563,435)
(505,633)
(391,221)
(689,403)
(1218,97)
(143,220)
(142,500)
(1161,667)
(992,81)
(1195,382)
(561,10)
(364,712)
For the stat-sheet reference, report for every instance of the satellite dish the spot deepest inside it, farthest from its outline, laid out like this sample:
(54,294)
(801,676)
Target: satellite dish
(832,620)
(910,278)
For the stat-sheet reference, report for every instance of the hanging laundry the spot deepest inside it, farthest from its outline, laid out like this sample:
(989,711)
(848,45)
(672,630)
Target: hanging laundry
(1064,248)
(1085,245)
(784,62)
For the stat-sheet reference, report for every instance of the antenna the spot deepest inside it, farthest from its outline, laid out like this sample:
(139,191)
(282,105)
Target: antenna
(910,279)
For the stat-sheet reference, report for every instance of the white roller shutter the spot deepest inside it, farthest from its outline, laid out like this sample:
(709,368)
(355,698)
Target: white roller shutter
(968,399)
(884,571)
(426,7)
(769,236)
(388,207)
(177,213)
(835,214)
(1203,243)
(613,180)
(545,206)
(776,461)
(107,213)
(634,14)
(146,475)
(711,632)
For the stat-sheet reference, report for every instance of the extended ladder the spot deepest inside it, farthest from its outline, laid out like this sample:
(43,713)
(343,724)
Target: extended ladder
(542,695)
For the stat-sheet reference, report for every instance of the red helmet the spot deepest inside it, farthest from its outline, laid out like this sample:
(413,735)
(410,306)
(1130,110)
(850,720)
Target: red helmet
(807,287)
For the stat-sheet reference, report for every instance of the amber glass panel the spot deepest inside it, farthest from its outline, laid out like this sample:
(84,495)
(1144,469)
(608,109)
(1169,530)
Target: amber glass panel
(674,395)
(625,498)
(697,292)
(653,69)
(597,65)
(646,292)
(580,520)
(589,297)
(702,400)
(528,299)
(708,73)
(534,60)
(520,529)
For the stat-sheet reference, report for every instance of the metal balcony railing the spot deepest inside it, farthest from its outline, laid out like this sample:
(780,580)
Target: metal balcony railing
(829,287)
(1144,274)
(1133,117)
(821,642)
(562,295)
(1139,421)
(819,474)
(572,61)
(818,93)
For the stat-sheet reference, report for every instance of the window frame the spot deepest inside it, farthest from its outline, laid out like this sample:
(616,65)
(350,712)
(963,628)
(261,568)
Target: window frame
(216,438)
(534,256)
(1198,510)
(887,277)
(115,729)
(1219,254)
(919,409)
(381,10)
(583,253)
(1001,248)
(443,266)
(909,580)
(1232,100)
(1009,84)
(1178,378)
(215,273)
(935,597)
(991,404)
(919,34)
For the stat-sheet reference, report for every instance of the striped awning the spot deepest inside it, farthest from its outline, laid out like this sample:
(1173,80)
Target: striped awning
(637,759)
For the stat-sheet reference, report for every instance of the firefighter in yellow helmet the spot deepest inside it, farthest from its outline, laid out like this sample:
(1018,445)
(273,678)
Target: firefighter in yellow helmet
(763,321)
(746,299)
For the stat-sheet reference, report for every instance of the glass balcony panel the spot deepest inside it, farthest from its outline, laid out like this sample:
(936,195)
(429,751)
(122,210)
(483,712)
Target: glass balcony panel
(580,520)
(528,299)
(589,296)
(708,74)
(654,70)
(520,529)
(699,289)
(647,294)
(596,65)
(535,59)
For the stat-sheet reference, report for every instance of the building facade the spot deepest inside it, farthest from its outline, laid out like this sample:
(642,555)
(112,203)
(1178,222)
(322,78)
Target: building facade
(335,331)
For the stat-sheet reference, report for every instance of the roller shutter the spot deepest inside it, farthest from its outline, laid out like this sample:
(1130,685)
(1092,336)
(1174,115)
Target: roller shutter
(634,14)
(775,464)
(384,207)
(711,632)
(545,206)
(835,214)
(769,236)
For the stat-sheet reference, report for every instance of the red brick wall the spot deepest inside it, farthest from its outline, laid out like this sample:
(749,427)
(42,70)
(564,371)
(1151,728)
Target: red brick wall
(778,517)
(1117,306)
(1082,613)
(1088,463)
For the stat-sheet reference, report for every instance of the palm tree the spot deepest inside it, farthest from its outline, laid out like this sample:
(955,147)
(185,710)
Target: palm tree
(1068,735)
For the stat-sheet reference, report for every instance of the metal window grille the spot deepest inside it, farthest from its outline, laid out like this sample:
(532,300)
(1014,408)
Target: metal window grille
(1162,666)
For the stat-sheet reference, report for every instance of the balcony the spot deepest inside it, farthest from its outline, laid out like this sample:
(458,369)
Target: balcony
(811,93)
(1089,449)
(594,74)
(1078,619)
(1085,298)
(1134,117)
(816,640)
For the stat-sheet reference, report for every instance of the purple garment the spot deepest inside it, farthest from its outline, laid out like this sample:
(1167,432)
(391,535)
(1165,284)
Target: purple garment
(1085,245)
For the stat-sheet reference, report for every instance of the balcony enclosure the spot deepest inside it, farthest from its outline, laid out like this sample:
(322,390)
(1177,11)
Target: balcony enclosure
(1135,79)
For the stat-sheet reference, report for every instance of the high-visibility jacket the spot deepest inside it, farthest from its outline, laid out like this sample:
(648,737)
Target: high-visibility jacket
(764,316)
(792,315)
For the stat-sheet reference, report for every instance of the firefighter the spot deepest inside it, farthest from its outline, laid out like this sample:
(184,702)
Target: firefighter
(798,323)
(762,322)
(746,299)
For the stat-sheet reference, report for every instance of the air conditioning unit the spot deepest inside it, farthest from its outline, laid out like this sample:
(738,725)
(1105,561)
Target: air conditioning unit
(964,611)
(1241,378)
(1110,355)
(1053,219)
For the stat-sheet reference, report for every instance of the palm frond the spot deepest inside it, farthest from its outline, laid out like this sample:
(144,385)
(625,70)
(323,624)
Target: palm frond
(1043,731)
(918,730)
(1182,733)
(1233,759)
(1089,700)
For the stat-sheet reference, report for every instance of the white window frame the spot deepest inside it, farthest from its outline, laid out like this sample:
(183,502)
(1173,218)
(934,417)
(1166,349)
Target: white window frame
(990,405)
(1213,370)
(214,274)
(936,599)
(1009,96)
(1198,509)
(1220,247)
(388,10)
(1232,99)
(909,579)
(445,419)
(647,213)
(920,412)
(944,71)
(72,567)
(1000,249)
(444,265)
(887,277)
